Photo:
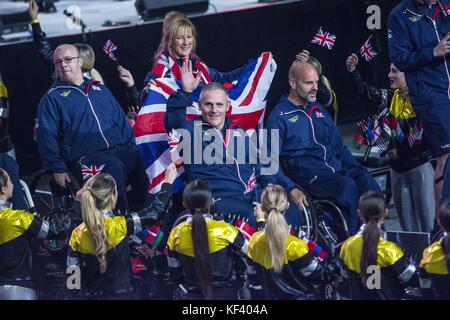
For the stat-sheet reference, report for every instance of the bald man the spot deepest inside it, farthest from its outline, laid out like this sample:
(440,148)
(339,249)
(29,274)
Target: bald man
(81,128)
(311,146)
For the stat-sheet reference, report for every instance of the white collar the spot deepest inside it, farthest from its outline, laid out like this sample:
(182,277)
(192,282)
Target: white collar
(5,204)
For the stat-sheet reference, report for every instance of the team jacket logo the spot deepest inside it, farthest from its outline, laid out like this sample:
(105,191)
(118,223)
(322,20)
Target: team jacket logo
(65,94)
(414,18)
(96,88)
(319,114)
(293,119)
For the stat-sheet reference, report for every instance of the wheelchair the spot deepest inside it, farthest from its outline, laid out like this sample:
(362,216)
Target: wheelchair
(48,197)
(332,229)
(325,224)
(27,196)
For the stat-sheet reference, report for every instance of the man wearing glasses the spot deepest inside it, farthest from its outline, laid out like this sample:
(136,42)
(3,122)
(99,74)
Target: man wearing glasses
(81,128)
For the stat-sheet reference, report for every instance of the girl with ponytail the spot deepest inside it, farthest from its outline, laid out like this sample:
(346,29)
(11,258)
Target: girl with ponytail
(372,210)
(367,253)
(18,228)
(99,194)
(100,244)
(202,250)
(435,264)
(275,203)
(285,267)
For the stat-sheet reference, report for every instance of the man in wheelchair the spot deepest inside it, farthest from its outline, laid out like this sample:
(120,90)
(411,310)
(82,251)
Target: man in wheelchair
(81,128)
(317,160)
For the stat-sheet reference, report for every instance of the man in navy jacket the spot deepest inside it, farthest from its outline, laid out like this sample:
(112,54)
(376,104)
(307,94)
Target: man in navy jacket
(419,44)
(219,151)
(311,146)
(80,125)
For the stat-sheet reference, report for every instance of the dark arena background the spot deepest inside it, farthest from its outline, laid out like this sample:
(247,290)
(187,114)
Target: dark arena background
(229,34)
(226,40)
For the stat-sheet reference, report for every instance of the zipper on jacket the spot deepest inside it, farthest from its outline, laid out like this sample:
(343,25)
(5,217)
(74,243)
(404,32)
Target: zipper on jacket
(98,122)
(314,138)
(439,39)
(93,112)
(445,59)
(234,159)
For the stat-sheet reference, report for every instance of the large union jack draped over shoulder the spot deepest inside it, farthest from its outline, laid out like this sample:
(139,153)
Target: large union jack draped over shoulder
(248,102)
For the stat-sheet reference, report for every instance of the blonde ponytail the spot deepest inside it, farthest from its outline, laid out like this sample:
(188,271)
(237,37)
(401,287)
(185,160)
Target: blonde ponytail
(274,201)
(99,194)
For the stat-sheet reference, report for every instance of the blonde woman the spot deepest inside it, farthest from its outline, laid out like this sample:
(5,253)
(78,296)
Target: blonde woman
(178,43)
(285,267)
(87,55)
(100,244)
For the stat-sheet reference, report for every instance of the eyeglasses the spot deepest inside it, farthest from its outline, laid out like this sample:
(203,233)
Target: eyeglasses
(66,60)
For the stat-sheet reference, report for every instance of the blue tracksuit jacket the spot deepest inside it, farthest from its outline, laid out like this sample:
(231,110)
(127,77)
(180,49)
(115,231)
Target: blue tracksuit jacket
(76,121)
(230,178)
(309,142)
(413,31)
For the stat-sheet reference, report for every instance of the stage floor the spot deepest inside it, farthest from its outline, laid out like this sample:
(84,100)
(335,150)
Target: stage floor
(94,14)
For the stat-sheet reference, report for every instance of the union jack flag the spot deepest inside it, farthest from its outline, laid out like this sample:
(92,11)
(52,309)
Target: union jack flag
(367,51)
(319,252)
(90,171)
(316,250)
(251,183)
(109,47)
(244,228)
(248,102)
(173,142)
(324,39)
(415,134)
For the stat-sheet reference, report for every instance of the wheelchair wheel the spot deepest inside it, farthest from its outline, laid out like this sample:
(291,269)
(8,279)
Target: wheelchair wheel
(27,196)
(48,197)
(332,227)
(309,229)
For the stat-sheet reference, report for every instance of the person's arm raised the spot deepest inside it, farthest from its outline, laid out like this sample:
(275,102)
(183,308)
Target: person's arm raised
(178,101)
(150,215)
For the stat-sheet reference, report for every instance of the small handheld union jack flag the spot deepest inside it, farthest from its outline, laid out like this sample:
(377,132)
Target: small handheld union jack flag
(324,39)
(174,140)
(90,171)
(251,183)
(109,47)
(367,51)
